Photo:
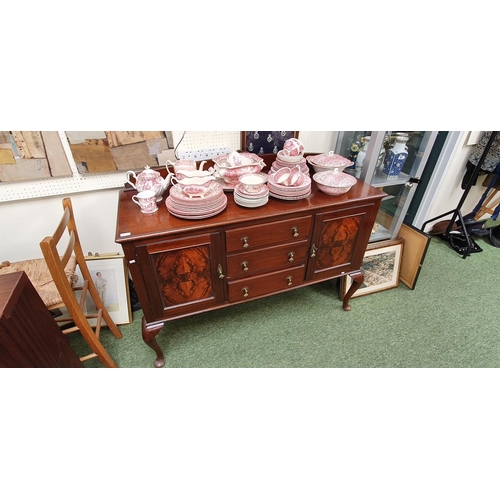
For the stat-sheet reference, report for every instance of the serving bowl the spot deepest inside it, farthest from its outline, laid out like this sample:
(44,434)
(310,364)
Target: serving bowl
(334,182)
(328,161)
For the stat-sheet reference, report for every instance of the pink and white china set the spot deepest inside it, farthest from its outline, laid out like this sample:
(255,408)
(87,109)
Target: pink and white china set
(198,194)
(251,190)
(289,177)
(329,174)
(229,168)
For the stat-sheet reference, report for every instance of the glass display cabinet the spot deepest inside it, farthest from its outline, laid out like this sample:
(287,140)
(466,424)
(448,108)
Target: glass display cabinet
(392,161)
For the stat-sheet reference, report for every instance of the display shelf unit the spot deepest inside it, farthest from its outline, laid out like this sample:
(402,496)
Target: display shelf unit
(400,190)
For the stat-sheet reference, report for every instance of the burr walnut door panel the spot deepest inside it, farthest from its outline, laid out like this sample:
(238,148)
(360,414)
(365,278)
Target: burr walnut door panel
(339,241)
(182,275)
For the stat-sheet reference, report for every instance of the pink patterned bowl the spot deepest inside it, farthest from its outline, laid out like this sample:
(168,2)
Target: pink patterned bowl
(334,183)
(325,162)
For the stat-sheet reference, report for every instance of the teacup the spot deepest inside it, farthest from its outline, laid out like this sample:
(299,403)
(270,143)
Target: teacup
(293,147)
(252,183)
(197,186)
(146,201)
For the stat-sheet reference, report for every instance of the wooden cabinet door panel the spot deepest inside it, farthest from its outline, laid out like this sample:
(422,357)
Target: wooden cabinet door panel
(181,274)
(339,241)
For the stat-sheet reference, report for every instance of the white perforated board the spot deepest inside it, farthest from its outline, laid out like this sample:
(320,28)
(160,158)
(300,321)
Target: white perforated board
(198,140)
(77,183)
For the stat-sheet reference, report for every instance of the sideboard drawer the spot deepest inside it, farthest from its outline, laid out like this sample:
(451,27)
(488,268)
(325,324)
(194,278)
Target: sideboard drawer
(250,237)
(257,286)
(266,259)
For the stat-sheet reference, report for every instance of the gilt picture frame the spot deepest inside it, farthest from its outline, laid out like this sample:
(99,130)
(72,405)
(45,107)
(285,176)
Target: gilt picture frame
(110,276)
(381,268)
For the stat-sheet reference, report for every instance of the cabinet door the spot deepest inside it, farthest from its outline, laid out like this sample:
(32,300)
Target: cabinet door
(399,187)
(181,274)
(339,241)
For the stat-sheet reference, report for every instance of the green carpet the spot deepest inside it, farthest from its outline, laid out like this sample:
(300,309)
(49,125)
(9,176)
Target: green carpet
(449,320)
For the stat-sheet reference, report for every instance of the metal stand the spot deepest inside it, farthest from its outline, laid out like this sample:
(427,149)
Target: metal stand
(457,211)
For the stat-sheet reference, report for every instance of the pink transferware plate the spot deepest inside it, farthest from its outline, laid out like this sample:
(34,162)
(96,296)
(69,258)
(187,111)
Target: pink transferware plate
(201,214)
(291,198)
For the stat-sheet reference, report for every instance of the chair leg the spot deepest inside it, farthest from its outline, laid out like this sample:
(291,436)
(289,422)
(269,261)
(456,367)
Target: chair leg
(92,340)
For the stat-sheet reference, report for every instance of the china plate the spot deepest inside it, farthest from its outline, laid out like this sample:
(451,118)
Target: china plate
(281,197)
(196,215)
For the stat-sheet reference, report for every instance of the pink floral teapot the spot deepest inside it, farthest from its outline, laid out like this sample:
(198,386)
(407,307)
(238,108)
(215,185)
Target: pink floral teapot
(149,179)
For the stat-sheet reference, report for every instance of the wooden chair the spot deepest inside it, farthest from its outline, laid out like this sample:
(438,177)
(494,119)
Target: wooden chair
(58,268)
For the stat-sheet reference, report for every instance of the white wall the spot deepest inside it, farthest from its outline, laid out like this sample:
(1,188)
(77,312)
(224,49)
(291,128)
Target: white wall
(23,224)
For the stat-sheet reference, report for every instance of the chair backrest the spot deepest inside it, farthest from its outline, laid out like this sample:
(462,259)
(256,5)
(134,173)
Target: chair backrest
(56,260)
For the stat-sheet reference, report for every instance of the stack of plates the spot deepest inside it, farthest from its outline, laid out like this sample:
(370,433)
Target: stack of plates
(303,190)
(211,203)
(253,199)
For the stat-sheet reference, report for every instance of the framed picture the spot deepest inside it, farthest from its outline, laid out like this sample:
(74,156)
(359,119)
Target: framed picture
(265,143)
(111,280)
(416,243)
(381,267)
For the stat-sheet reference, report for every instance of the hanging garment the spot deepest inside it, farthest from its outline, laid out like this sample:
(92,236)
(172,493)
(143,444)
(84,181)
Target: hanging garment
(490,162)
(496,176)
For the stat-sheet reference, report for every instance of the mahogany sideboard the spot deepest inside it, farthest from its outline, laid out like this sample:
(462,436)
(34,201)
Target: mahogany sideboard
(29,335)
(182,267)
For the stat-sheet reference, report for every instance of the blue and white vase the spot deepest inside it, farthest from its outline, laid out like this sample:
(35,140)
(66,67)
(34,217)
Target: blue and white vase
(395,158)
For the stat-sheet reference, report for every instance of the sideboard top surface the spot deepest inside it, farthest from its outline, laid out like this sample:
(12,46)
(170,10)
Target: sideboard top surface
(133,225)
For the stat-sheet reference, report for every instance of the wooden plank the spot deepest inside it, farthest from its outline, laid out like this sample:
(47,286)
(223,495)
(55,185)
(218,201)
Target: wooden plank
(95,154)
(25,169)
(58,162)
(5,137)
(122,138)
(7,156)
(29,144)
(133,157)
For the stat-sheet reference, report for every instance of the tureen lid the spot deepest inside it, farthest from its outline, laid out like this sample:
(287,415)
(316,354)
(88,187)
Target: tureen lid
(330,160)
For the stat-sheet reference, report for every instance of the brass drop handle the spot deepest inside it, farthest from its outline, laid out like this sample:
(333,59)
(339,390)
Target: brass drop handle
(245,241)
(289,280)
(295,231)
(219,271)
(245,292)
(291,256)
(313,250)
(244,266)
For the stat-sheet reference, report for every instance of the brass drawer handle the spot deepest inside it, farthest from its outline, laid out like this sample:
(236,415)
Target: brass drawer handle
(244,266)
(245,241)
(219,271)
(291,256)
(289,280)
(295,231)
(245,292)
(313,250)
